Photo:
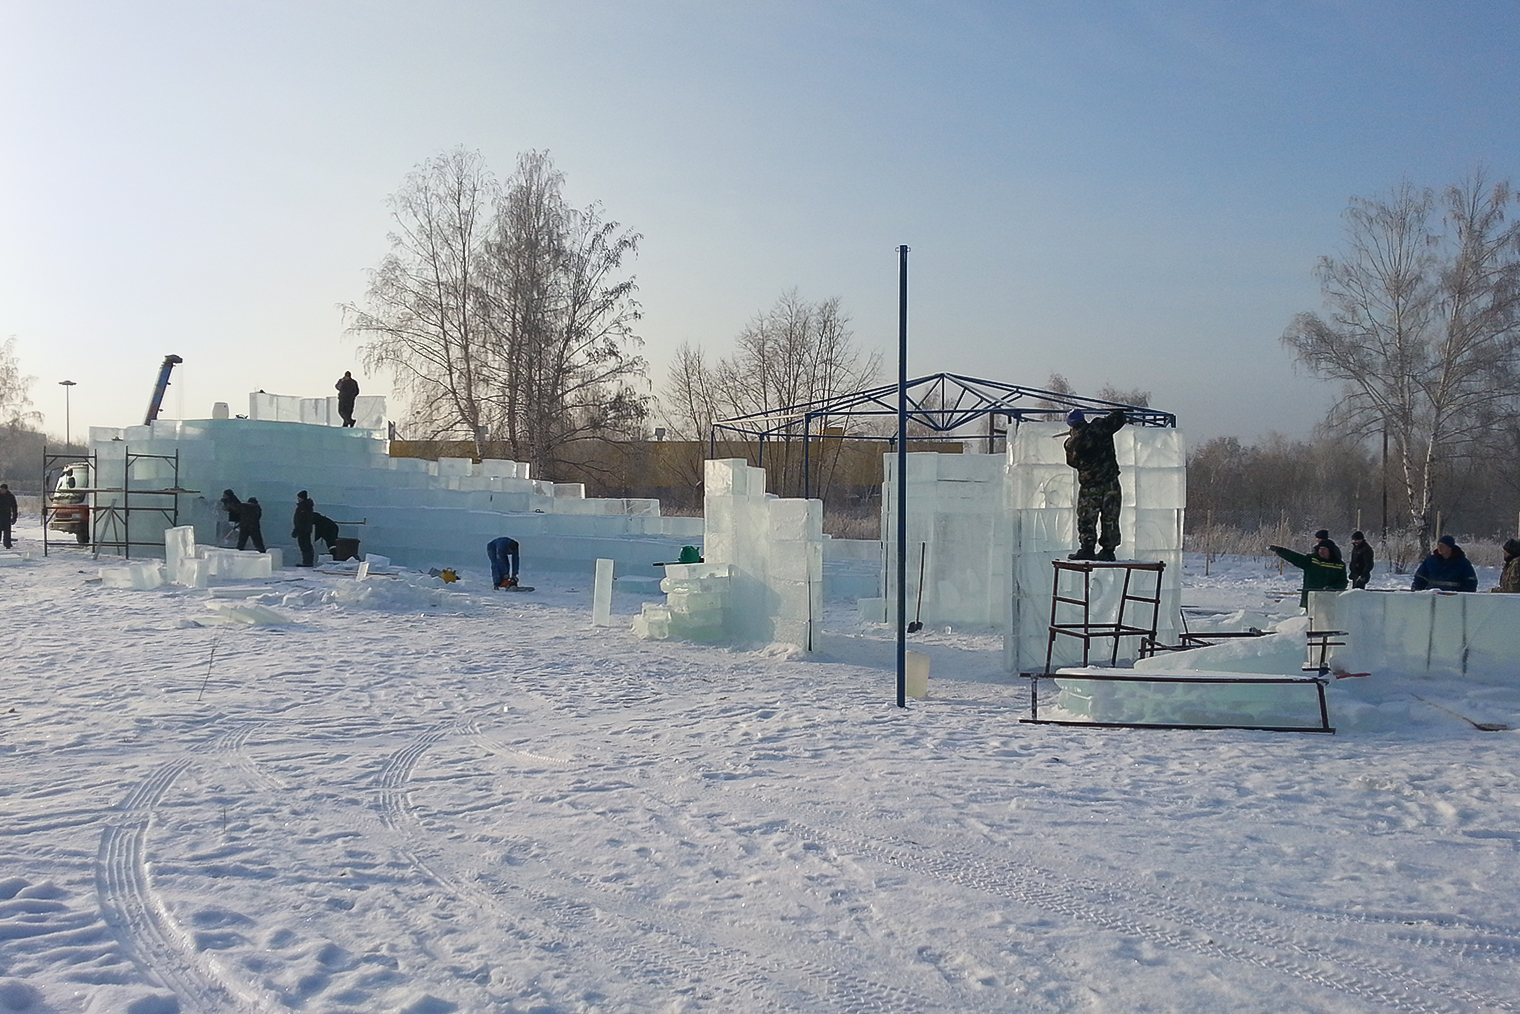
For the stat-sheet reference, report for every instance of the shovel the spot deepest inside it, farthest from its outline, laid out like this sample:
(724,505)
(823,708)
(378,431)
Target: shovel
(916,626)
(1480,726)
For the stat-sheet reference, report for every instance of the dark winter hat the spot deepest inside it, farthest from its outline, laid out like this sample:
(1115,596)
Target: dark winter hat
(1512,547)
(1448,540)
(1358,537)
(1322,534)
(1075,417)
(302,494)
(228,492)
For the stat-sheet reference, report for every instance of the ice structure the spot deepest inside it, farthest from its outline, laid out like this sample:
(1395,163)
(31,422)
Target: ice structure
(1470,634)
(985,530)
(369,412)
(418,513)
(761,580)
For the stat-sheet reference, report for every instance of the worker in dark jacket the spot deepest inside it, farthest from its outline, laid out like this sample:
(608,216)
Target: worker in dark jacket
(1509,579)
(1447,569)
(250,516)
(232,507)
(1090,450)
(325,529)
(301,528)
(1360,570)
(1321,572)
(9,512)
(348,390)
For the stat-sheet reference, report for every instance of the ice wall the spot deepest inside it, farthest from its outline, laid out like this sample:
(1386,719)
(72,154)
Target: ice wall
(1042,491)
(957,537)
(987,528)
(418,513)
(1471,634)
(762,569)
(369,411)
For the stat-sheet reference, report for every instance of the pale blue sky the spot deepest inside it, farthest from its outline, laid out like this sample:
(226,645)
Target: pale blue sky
(1121,192)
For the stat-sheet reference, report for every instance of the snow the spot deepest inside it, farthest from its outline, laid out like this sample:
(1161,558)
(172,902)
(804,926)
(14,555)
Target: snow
(426,798)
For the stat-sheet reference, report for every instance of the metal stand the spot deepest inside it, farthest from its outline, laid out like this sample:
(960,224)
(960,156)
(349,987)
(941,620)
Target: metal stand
(50,462)
(1320,640)
(1222,681)
(111,522)
(1084,627)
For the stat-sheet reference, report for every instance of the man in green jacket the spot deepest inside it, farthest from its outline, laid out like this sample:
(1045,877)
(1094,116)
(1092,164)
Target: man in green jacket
(1322,572)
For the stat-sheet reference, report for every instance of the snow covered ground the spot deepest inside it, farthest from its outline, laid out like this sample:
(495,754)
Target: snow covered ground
(425,800)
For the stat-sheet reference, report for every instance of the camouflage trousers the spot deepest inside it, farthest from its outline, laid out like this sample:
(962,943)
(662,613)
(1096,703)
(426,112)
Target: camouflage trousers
(1095,503)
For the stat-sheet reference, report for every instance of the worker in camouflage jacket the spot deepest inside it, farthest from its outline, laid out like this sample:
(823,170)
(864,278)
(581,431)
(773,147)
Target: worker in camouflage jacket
(1090,450)
(1509,578)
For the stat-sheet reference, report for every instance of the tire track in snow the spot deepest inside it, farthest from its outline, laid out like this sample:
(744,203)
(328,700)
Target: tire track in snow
(234,744)
(819,981)
(136,914)
(673,951)
(1107,904)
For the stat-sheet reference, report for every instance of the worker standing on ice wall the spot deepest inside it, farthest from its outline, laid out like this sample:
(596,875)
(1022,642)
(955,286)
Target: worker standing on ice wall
(1090,450)
(348,391)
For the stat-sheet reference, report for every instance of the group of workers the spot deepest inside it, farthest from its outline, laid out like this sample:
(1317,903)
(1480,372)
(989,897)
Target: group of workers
(1447,568)
(246,518)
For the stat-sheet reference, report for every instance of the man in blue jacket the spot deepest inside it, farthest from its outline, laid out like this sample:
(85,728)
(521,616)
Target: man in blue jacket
(1447,569)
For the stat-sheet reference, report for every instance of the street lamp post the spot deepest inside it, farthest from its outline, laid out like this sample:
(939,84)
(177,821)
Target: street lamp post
(67,435)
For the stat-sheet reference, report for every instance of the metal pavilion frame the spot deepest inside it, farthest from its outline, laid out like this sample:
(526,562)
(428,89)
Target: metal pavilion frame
(940,402)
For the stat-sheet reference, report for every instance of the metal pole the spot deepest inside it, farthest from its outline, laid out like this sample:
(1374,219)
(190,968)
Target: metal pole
(902,477)
(807,473)
(68,440)
(1384,538)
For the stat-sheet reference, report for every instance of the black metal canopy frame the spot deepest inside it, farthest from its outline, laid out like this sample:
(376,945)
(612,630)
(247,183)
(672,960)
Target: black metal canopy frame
(940,402)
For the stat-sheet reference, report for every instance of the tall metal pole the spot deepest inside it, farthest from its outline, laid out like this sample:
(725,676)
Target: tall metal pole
(902,477)
(67,437)
(1384,537)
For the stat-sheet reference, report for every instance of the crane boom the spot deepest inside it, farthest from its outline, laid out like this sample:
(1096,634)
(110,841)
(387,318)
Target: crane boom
(161,387)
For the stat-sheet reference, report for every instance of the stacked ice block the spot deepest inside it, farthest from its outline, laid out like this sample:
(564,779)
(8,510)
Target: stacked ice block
(695,607)
(1041,503)
(419,513)
(1470,634)
(763,576)
(775,547)
(369,412)
(957,538)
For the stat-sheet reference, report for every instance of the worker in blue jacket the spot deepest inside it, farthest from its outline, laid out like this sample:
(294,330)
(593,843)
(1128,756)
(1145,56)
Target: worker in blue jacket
(1447,569)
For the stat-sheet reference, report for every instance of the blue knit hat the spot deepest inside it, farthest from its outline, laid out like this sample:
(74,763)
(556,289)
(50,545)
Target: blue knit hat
(1448,540)
(1075,417)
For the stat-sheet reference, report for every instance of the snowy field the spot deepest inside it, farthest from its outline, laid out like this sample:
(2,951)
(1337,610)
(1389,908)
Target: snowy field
(418,800)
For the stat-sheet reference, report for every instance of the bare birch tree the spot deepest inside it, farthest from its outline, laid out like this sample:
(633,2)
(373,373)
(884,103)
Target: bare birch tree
(793,353)
(563,318)
(796,352)
(499,311)
(1423,325)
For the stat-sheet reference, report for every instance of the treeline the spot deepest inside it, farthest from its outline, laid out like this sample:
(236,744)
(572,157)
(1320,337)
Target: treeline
(1339,483)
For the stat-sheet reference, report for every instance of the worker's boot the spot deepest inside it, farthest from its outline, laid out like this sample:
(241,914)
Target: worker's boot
(1105,555)
(1084,552)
